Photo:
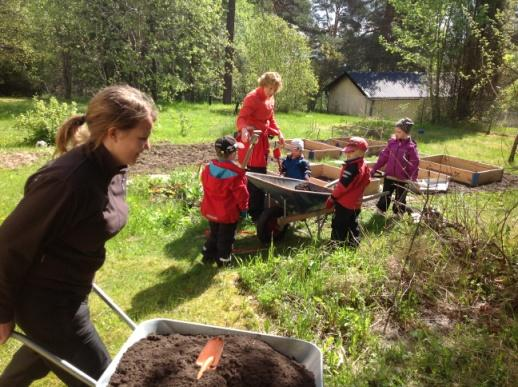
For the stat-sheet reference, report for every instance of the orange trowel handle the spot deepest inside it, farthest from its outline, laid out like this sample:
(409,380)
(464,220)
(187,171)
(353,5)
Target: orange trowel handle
(214,348)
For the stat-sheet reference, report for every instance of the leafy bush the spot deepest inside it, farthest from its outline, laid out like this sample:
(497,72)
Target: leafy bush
(178,187)
(44,119)
(268,43)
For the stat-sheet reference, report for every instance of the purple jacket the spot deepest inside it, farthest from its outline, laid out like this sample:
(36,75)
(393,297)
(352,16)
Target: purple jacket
(401,158)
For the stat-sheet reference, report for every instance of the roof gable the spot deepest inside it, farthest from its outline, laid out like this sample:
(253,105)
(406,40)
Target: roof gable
(389,85)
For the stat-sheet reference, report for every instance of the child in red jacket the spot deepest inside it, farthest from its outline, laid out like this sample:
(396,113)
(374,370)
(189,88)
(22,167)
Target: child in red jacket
(348,193)
(257,113)
(225,200)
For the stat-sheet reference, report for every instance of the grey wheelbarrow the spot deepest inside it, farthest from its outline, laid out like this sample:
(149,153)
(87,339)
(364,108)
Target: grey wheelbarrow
(291,200)
(302,351)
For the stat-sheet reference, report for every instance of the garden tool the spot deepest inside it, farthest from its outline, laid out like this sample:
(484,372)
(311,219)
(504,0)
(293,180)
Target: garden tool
(253,141)
(330,184)
(277,154)
(209,357)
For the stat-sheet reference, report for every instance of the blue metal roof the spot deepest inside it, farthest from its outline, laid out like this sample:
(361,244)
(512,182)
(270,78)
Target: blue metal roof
(389,85)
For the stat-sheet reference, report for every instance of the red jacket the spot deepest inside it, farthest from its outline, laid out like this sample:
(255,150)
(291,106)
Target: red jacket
(257,112)
(224,192)
(354,178)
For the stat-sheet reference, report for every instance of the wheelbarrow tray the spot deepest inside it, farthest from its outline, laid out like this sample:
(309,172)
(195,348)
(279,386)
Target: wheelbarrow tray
(283,189)
(304,352)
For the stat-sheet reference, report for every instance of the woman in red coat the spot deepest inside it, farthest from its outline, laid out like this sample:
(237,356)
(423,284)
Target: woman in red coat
(257,114)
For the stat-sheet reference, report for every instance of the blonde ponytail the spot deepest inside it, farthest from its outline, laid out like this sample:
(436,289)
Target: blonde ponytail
(70,134)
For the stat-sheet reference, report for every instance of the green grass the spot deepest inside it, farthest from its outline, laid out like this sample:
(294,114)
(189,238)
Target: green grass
(190,123)
(304,287)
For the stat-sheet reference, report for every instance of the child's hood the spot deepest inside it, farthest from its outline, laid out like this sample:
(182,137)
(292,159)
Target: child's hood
(225,169)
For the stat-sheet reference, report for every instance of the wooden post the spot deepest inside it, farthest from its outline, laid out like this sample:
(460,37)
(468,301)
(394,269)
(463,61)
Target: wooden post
(513,149)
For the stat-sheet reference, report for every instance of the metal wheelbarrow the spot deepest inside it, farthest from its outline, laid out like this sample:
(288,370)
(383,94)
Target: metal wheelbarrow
(302,351)
(287,203)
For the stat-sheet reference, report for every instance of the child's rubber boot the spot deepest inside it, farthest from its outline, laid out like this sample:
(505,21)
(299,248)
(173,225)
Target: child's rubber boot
(223,261)
(379,212)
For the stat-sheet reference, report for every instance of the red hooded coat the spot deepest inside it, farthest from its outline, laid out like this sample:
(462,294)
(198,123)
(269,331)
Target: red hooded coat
(224,192)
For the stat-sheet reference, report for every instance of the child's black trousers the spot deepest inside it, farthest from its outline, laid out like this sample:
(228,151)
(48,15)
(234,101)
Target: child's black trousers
(218,246)
(399,205)
(257,196)
(345,227)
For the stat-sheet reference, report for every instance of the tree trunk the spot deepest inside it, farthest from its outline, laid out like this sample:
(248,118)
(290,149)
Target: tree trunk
(229,52)
(513,149)
(154,81)
(67,74)
(150,51)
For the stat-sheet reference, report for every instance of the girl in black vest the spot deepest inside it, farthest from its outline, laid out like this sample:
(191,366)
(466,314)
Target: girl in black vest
(52,244)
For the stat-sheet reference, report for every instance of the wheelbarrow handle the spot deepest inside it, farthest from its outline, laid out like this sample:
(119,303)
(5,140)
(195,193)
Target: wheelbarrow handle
(114,306)
(63,364)
(332,183)
(57,361)
(374,196)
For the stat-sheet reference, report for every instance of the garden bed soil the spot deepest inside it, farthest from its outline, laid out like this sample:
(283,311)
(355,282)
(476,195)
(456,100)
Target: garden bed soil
(169,360)
(162,158)
(166,157)
(508,182)
(14,160)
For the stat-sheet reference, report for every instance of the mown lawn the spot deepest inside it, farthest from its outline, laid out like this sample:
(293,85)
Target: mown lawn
(455,324)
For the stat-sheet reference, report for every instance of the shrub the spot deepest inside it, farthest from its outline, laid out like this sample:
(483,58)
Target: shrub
(43,120)
(268,43)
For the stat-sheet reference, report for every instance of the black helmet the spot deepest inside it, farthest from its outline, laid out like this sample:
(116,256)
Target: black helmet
(227,144)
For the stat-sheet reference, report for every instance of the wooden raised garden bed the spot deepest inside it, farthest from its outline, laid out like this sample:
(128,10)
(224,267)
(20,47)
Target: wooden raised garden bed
(375,146)
(427,180)
(469,172)
(316,150)
(422,174)
(322,174)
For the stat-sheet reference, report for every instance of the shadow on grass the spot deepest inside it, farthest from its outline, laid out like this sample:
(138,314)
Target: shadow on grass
(11,107)
(176,287)
(376,225)
(249,247)
(188,246)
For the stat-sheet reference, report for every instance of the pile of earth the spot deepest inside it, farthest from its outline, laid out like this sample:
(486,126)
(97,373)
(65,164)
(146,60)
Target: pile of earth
(170,360)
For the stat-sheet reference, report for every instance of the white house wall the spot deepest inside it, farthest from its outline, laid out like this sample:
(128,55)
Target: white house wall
(345,98)
(397,108)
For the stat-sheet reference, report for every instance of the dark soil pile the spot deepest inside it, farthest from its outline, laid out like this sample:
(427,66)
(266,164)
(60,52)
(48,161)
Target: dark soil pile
(171,361)
(310,187)
(303,187)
